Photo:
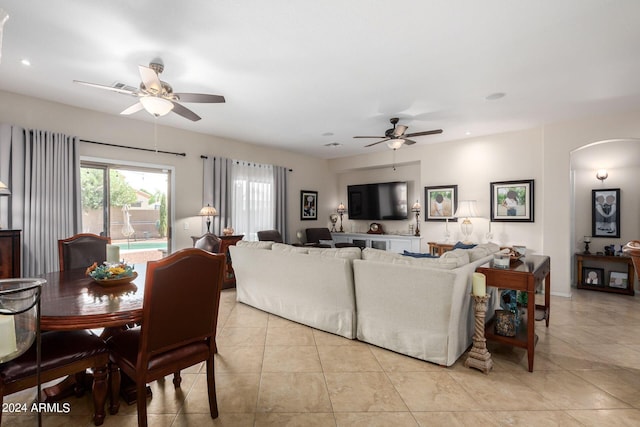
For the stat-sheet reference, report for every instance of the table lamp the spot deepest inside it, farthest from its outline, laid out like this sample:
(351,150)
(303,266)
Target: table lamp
(341,210)
(466,209)
(416,208)
(208,211)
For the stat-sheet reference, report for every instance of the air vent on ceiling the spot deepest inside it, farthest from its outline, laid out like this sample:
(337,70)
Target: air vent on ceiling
(123,86)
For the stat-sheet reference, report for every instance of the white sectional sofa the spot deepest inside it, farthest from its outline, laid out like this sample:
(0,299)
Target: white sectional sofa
(420,307)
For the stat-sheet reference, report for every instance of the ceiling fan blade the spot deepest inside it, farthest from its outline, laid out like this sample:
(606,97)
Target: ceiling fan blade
(399,130)
(133,109)
(112,89)
(150,79)
(409,142)
(428,132)
(199,97)
(376,143)
(185,112)
(369,137)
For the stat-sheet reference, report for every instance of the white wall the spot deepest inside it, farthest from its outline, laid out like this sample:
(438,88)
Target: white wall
(308,173)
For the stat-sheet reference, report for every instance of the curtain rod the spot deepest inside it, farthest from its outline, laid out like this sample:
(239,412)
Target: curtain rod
(134,148)
(202,156)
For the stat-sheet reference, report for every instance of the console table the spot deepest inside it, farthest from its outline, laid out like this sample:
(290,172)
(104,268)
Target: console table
(523,275)
(229,274)
(9,254)
(386,242)
(595,260)
(439,248)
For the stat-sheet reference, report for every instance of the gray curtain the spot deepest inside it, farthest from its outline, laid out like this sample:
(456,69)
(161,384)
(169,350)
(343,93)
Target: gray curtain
(44,178)
(280,181)
(216,191)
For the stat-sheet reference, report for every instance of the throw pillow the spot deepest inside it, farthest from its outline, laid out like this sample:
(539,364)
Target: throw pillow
(418,255)
(461,245)
(459,256)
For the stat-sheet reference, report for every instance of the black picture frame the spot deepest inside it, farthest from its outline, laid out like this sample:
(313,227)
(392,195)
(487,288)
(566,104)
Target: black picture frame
(308,205)
(605,213)
(512,201)
(440,210)
(593,276)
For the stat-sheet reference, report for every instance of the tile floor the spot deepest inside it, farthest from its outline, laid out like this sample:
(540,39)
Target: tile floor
(273,372)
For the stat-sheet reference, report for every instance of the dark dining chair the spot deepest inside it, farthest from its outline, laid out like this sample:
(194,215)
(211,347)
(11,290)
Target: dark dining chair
(82,250)
(179,316)
(314,235)
(63,353)
(208,242)
(270,236)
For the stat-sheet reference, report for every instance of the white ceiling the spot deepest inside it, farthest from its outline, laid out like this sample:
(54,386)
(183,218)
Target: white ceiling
(293,71)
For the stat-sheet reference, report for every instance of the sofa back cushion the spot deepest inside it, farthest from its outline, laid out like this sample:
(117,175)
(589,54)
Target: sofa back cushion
(282,247)
(394,258)
(459,256)
(257,245)
(346,253)
(482,250)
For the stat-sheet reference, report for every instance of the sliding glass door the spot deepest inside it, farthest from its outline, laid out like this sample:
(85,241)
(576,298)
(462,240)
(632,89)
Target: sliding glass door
(130,204)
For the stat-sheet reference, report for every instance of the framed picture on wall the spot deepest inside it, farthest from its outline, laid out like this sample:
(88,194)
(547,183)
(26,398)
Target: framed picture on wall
(605,213)
(441,202)
(512,201)
(308,205)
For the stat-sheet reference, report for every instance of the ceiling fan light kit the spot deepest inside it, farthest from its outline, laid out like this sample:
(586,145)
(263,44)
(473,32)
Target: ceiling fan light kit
(156,106)
(396,136)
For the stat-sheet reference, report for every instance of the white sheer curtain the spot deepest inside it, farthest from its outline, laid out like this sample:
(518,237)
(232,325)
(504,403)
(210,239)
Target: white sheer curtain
(253,198)
(44,177)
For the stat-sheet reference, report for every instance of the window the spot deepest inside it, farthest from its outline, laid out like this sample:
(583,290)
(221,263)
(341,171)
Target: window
(253,198)
(130,204)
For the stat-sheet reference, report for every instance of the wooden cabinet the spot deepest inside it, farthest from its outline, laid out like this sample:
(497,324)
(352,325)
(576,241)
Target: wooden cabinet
(606,264)
(9,254)
(229,274)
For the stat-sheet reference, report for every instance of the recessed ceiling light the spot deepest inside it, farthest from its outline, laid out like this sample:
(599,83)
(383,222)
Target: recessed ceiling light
(496,95)
(26,62)
(333,144)
(327,134)
(467,133)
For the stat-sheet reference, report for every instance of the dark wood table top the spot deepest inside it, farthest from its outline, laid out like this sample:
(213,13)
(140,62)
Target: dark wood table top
(71,300)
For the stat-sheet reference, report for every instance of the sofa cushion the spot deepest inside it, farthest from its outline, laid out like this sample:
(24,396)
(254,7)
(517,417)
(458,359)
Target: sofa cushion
(252,244)
(459,256)
(419,254)
(372,254)
(281,247)
(460,245)
(482,250)
(346,253)
(394,258)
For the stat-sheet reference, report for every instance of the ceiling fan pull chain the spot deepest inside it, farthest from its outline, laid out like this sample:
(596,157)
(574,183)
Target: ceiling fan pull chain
(394,159)
(155,133)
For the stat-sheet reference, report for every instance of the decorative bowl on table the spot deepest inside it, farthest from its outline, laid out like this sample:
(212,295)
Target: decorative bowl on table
(108,274)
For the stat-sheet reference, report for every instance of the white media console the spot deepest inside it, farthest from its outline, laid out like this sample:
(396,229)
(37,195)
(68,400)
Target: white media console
(386,242)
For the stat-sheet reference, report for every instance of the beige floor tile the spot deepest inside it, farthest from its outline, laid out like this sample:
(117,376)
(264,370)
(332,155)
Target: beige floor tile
(432,391)
(347,359)
(534,418)
(223,420)
(159,420)
(235,393)
(318,419)
(325,338)
(292,335)
(293,392)
(375,419)
(509,358)
(607,417)
(246,316)
(615,355)
(291,359)
(165,398)
(456,419)
(623,384)
(232,336)
(395,362)
(280,322)
(239,359)
(362,392)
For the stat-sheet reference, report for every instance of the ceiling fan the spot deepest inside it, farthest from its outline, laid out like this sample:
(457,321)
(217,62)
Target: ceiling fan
(157,97)
(396,136)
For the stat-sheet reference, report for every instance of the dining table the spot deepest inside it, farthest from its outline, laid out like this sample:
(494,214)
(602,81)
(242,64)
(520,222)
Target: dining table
(72,300)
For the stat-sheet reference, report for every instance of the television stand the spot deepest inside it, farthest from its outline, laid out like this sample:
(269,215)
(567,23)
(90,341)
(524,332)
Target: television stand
(387,242)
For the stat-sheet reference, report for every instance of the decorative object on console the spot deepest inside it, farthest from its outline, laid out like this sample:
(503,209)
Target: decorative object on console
(308,205)
(586,240)
(632,249)
(479,357)
(618,279)
(602,174)
(228,231)
(341,210)
(605,213)
(416,208)
(375,228)
(208,211)
(466,209)
(334,218)
(505,323)
(512,201)
(442,202)
(4,191)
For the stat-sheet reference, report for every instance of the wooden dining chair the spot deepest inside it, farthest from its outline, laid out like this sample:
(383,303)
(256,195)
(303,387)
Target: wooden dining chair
(63,353)
(82,250)
(179,316)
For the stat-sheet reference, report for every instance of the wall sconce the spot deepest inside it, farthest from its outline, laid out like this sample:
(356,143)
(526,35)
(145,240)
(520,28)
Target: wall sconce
(602,174)
(416,208)
(466,209)
(341,210)
(208,211)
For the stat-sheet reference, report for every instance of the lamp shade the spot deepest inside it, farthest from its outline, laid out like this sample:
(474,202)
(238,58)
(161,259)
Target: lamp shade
(341,208)
(156,105)
(208,211)
(4,190)
(466,209)
(416,207)
(394,144)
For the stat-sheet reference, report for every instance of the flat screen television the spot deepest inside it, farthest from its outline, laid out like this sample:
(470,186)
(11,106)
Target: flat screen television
(381,201)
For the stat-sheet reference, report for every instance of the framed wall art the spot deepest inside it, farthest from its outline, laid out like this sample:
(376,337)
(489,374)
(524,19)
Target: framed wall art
(605,213)
(441,202)
(512,201)
(308,205)
(593,276)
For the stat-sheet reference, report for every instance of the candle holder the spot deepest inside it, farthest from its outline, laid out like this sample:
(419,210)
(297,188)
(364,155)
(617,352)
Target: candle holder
(586,241)
(479,357)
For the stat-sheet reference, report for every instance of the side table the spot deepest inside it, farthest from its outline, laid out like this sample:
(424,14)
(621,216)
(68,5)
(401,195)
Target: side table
(523,276)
